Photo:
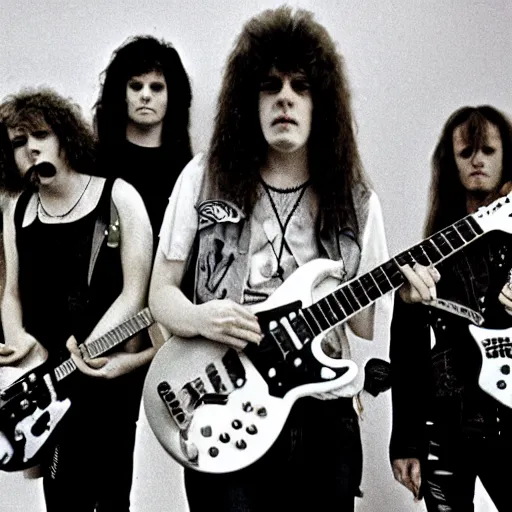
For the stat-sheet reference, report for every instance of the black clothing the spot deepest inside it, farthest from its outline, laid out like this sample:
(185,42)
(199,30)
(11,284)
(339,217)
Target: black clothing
(153,172)
(90,462)
(291,475)
(435,392)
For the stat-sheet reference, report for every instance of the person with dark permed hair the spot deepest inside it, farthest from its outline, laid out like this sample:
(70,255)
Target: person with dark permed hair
(446,429)
(141,119)
(282,185)
(78,253)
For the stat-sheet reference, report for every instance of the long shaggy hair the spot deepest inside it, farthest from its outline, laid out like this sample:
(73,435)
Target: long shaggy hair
(447,202)
(34,109)
(137,56)
(288,42)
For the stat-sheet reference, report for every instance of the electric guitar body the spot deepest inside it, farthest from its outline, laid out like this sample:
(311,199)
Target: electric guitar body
(34,400)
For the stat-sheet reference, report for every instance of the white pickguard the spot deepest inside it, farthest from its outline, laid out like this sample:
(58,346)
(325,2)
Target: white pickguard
(496,374)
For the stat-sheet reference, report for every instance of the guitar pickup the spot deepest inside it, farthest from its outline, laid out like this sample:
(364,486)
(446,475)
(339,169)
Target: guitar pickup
(213,398)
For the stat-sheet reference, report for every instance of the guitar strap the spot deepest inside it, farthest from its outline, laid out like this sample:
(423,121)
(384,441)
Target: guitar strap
(458,309)
(108,227)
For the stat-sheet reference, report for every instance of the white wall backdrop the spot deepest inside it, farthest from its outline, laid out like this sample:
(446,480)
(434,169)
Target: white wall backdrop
(410,63)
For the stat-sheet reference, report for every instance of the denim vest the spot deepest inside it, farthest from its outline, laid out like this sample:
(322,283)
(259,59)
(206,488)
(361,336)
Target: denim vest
(222,244)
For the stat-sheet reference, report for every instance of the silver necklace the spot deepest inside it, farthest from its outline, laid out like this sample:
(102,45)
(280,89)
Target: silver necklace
(41,207)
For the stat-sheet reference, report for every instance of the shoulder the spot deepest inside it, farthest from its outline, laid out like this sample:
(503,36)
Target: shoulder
(366,204)
(125,194)
(190,181)
(194,171)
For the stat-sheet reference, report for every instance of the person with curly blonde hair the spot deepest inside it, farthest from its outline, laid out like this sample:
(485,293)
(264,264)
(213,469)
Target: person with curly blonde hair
(57,295)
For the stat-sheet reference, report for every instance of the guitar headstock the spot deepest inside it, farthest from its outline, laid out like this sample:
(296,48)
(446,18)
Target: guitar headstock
(496,216)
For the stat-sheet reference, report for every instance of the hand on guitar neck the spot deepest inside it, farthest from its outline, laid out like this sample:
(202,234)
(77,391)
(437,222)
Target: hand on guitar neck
(105,367)
(421,281)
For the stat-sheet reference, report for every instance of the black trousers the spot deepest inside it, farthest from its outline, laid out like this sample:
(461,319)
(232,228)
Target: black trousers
(454,462)
(315,464)
(89,467)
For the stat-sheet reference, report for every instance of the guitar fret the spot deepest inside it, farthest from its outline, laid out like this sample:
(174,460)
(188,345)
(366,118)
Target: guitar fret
(433,253)
(382,280)
(393,273)
(357,289)
(442,244)
(117,335)
(335,306)
(453,237)
(420,255)
(320,318)
(351,298)
(473,224)
(340,297)
(311,321)
(331,316)
(372,290)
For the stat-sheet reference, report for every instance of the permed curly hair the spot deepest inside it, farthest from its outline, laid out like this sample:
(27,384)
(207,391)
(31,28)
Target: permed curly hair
(289,42)
(447,202)
(33,109)
(137,56)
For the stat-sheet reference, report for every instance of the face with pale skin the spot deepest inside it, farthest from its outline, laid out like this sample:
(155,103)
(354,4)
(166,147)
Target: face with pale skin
(146,99)
(285,110)
(480,169)
(34,146)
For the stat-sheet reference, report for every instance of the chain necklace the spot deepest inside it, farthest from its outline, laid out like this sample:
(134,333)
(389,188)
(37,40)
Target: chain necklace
(41,207)
(303,187)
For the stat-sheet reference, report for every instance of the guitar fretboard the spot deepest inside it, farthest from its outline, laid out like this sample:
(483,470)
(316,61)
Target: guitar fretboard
(107,341)
(361,292)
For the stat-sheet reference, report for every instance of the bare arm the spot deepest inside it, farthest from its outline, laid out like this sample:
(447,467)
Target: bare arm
(19,343)
(219,320)
(136,256)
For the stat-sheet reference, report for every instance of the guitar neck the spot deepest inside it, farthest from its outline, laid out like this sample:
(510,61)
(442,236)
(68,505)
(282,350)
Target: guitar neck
(107,341)
(361,292)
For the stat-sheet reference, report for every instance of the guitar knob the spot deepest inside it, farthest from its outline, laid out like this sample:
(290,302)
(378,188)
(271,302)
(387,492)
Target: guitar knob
(241,444)
(505,369)
(224,438)
(213,451)
(261,412)
(237,424)
(206,431)
(24,404)
(251,429)
(247,407)
(501,384)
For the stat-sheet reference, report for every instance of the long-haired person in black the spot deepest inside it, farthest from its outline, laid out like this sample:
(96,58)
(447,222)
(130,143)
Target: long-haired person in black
(282,185)
(142,120)
(69,282)
(446,429)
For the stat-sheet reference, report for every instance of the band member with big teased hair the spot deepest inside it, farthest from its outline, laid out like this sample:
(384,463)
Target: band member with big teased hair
(65,285)
(281,185)
(446,430)
(142,119)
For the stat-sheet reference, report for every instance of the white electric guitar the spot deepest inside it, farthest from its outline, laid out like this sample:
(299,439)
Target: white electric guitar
(217,410)
(496,349)
(33,402)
